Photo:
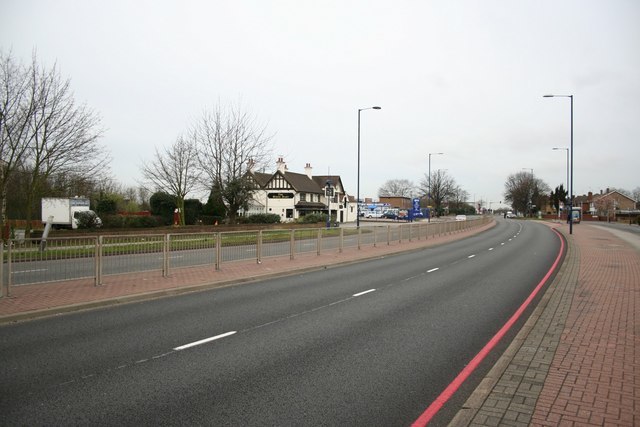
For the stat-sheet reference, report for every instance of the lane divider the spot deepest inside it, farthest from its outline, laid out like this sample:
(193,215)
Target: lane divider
(204,341)
(363,293)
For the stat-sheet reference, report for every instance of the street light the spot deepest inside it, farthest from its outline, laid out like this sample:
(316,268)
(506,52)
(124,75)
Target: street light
(530,195)
(429,188)
(571,162)
(563,148)
(358,191)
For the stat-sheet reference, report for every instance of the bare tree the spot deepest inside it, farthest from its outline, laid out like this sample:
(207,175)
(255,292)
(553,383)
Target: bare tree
(397,188)
(63,136)
(175,171)
(44,132)
(15,110)
(443,187)
(525,192)
(229,141)
(636,194)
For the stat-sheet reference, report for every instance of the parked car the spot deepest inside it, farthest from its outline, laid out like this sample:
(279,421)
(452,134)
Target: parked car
(390,214)
(374,214)
(510,214)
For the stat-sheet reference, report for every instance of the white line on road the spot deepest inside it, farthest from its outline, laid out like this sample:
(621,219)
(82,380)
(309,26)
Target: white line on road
(204,341)
(28,271)
(471,256)
(365,292)
(433,269)
(490,249)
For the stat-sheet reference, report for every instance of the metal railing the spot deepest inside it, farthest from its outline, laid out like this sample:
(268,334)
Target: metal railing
(30,261)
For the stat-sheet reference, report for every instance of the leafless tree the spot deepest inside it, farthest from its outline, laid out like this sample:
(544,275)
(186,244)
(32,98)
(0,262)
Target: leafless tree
(175,171)
(636,195)
(15,111)
(524,192)
(443,187)
(230,141)
(47,133)
(397,188)
(63,135)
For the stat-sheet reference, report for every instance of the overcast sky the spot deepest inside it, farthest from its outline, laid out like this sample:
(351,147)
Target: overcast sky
(465,78)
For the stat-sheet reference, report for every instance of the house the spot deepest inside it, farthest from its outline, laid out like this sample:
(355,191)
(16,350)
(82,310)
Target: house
(293,195)
(607,204)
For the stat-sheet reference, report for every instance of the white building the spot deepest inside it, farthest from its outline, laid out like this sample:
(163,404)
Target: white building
(293,195)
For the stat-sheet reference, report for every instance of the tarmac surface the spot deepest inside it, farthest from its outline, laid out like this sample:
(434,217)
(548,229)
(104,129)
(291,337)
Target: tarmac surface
(574,363)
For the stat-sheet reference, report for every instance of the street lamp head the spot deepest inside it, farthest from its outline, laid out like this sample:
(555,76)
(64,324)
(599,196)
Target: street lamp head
(377,108)
(548,96)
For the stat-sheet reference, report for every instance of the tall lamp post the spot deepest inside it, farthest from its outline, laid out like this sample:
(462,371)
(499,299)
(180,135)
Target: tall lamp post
(358,190)
(571,162)
(531,184)
(563,148)
(429,188)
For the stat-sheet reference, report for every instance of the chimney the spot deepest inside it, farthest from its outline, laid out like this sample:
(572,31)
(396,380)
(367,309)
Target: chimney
(308,170)
(282,167)
(251,164)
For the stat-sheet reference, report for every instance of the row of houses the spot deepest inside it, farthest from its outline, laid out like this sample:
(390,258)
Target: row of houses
(606,204)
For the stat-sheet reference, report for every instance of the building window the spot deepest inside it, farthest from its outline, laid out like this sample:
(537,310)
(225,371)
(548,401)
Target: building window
(303,197)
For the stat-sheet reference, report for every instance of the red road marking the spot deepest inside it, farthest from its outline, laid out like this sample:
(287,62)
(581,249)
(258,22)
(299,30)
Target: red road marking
(437,404)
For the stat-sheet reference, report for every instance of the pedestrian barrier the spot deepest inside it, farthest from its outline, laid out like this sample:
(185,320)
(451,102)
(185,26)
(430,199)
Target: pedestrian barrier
(33,261)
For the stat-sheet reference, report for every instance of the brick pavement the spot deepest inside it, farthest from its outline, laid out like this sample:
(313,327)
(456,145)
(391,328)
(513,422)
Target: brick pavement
(575,362)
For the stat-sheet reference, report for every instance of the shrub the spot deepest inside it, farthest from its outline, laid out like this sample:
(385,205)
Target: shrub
(263,219)
(113,221)
(122,221)
(313,218)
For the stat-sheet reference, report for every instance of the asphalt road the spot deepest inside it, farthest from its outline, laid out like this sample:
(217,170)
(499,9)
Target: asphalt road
(372,343)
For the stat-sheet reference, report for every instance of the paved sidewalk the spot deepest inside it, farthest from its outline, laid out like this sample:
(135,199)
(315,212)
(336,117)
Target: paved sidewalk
(31,301)
(576,360)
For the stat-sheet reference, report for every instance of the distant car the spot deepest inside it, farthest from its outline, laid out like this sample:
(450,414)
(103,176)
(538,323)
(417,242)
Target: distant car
(461,217)
(390,214)
(510,214)
(374,214)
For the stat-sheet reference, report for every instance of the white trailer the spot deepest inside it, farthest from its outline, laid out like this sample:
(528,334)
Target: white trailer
(62,212)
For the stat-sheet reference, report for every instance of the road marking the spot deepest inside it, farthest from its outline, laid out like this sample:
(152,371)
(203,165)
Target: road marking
(471,256)
(502,244)
(204,341)
(28,271)
(365,292)
(433,269)
(490,249)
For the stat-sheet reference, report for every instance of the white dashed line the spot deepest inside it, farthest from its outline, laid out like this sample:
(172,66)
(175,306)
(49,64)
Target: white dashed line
(204,341)
(490,249)
(433,269)
(365,292)
(471,256)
